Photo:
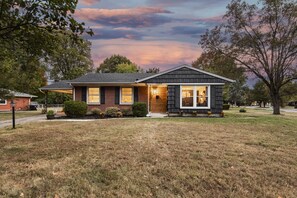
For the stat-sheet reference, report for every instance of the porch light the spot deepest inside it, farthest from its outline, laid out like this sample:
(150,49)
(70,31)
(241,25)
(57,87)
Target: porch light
(155,91)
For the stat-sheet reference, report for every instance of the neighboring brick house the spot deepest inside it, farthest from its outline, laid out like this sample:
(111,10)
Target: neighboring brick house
(21,100)
(183,88)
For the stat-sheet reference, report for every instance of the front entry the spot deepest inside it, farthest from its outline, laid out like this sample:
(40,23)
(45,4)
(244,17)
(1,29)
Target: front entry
(158,99)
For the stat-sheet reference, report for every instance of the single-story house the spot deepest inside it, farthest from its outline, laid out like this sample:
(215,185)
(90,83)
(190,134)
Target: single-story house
(183,88)
(21,100)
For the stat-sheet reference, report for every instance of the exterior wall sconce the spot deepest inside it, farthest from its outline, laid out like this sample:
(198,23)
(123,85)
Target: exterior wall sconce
(155,92)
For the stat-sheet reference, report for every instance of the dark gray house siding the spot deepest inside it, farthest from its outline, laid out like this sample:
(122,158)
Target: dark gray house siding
(185,75)
(216,100)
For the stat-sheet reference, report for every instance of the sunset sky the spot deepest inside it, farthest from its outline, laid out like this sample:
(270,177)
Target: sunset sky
(151,33)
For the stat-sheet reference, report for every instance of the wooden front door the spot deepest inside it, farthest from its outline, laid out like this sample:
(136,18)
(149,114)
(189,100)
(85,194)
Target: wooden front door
(158,99)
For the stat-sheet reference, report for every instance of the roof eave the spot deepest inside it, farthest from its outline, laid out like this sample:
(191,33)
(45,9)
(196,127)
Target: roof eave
(189,67)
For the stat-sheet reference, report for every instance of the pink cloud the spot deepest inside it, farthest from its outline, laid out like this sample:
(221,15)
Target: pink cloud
(88,2)
(163,54)
(215,19)
(127,17)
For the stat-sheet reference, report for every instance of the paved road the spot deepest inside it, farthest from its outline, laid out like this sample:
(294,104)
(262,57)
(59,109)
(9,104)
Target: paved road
(8,123)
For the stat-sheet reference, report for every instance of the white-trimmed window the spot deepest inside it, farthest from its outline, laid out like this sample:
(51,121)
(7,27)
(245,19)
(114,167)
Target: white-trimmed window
(93,95)
(126,95)
(3,102)
(195,97)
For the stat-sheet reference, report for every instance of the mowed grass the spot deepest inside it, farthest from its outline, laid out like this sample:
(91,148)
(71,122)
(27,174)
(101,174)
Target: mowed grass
(18,114)
(249,154)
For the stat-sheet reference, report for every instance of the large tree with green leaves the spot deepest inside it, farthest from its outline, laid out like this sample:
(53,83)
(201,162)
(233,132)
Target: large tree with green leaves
(110,64)
(70,58)
(260,93)
(262,38)
(128,68)
(27,31)
(20,16)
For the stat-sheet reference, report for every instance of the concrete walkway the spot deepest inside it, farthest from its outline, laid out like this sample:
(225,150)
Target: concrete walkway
(8,123)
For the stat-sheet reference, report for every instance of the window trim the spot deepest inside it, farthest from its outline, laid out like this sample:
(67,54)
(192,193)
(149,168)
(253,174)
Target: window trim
(94,103)
(194,97)
(5,103)
(121,96)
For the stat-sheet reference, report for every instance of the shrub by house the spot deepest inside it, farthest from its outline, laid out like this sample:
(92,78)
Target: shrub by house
(75,109)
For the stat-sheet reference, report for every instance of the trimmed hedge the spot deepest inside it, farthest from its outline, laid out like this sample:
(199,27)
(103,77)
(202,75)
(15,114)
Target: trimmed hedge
(139,109)
(113,112)
(127,112)
(75,109)
(226,106)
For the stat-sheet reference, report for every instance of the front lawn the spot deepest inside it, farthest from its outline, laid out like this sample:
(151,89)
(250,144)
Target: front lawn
(249,154)
(7,115)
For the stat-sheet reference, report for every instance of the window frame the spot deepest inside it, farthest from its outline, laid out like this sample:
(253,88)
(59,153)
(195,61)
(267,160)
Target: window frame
(121,103)
(5,102)
(195,97)
(94,103)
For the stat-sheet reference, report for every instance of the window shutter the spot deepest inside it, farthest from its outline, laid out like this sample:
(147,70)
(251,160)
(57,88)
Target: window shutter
(177,96)
(117,95)
(84,94)
(135,94)
(102,95)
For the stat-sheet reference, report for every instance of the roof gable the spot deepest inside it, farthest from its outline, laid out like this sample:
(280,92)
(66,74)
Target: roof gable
(185,74)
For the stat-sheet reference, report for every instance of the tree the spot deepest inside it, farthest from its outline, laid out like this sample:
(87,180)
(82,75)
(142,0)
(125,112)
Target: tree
(153,70)
(261,93)
(237,93)
(27,31)
(19,16)
(262,38)
(22,72)
(128,68)
(70,58)
(221,65)
(110,64)
(288,93)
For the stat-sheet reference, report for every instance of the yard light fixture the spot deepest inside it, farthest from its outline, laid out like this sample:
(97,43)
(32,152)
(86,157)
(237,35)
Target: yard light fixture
(12,104)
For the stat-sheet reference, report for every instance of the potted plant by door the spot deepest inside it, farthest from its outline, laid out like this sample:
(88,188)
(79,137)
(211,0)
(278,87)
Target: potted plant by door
(50,115)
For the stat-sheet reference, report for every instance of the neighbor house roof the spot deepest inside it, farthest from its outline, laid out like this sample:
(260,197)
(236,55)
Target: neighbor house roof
(19,94)
(110,78)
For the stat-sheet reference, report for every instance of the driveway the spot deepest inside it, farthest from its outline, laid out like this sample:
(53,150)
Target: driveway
(8,123)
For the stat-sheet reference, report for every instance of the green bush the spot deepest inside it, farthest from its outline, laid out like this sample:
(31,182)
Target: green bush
(139,109)
(96,111)
(112,112)
(127,112)
(242,110)
(226,106)
(75,109)
(50,113)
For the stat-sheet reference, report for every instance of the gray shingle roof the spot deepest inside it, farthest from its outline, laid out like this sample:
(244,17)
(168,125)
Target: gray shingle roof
(18,94)
(111,77)
(57,85)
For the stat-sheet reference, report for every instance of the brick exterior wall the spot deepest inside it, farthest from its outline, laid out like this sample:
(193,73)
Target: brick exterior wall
(21,104)
(110,98)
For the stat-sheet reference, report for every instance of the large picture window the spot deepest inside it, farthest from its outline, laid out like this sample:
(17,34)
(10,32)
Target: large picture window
(94,95)
(195,97)
(126,95)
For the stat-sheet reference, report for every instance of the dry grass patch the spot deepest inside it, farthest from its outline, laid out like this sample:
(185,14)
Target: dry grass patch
(18,114)
(176,157)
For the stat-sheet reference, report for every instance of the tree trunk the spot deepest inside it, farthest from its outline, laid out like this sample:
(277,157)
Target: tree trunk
(276,102)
